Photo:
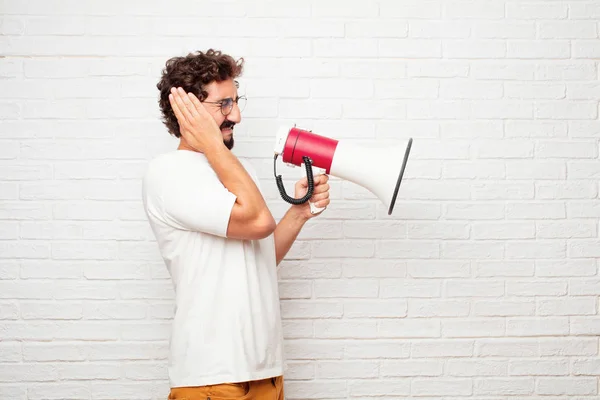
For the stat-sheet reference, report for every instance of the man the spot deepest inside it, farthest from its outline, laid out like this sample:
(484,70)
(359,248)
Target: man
(219,241)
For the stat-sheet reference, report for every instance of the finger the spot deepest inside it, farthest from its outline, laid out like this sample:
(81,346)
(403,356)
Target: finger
(182,107)
(197,104)
(320,179)
(178,114)
(317,180)
(187,102)
(320,196)
(321,203)
(324,187)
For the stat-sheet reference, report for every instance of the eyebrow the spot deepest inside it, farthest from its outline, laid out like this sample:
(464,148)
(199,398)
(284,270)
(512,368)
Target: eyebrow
(226,98)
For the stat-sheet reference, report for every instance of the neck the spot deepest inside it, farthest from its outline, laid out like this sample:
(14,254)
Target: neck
(184,146)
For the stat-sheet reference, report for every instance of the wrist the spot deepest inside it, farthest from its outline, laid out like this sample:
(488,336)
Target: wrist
(214,147)
(298,213)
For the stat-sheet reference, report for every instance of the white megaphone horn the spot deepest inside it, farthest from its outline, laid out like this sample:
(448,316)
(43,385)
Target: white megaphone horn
(377,169)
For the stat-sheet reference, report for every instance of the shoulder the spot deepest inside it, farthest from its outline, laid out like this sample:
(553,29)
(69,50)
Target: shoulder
(178,157)
(175,166)
(177,161)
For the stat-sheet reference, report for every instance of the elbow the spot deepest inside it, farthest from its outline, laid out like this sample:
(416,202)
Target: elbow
(250,226)
(263,226)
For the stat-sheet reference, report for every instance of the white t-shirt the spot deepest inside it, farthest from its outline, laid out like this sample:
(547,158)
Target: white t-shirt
(227,323)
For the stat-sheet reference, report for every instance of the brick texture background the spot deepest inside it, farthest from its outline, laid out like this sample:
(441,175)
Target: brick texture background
(484,284)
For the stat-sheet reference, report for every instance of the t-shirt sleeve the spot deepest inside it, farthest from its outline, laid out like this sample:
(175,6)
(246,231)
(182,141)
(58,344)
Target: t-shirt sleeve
(201,204)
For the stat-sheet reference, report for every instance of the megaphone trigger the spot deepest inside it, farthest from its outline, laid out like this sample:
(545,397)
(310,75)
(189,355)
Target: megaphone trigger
(313,208)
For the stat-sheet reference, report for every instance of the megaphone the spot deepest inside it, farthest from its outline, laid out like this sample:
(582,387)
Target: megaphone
(378,169)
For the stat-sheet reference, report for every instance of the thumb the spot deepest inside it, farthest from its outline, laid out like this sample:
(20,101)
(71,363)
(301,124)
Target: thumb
(303,182)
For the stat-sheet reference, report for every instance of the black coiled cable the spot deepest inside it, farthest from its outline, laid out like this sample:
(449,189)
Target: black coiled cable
(309,178)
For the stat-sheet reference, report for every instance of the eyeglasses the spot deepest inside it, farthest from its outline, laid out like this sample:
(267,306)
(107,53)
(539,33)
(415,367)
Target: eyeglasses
(227,104)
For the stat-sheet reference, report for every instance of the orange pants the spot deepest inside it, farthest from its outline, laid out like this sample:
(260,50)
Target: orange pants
(265,389)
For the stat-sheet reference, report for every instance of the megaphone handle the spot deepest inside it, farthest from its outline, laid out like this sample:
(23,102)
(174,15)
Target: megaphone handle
(313,208)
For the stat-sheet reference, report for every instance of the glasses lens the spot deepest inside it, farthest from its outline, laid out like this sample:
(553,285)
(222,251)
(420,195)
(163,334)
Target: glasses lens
(242,103)
(226,106)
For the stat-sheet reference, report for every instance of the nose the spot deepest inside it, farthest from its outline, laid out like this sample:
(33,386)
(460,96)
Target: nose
(235,115)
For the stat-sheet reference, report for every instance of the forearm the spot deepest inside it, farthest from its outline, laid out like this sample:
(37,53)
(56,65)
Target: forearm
(236,179)
(287,231)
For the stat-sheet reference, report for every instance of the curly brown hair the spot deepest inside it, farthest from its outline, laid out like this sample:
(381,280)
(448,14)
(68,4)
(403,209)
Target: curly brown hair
(193,72)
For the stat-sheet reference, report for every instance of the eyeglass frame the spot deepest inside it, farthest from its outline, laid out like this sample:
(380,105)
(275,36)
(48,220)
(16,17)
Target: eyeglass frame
(221,103)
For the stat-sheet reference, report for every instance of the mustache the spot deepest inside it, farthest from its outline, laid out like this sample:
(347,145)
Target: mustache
(227,124)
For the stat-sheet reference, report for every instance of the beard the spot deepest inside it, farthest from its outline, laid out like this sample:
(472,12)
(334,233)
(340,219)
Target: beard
(228,125)
(229,143)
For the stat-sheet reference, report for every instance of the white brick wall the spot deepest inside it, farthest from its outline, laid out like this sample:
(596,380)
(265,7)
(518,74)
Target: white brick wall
(483,285)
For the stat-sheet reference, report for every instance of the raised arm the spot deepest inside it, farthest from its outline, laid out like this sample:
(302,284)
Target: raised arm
(250,217)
